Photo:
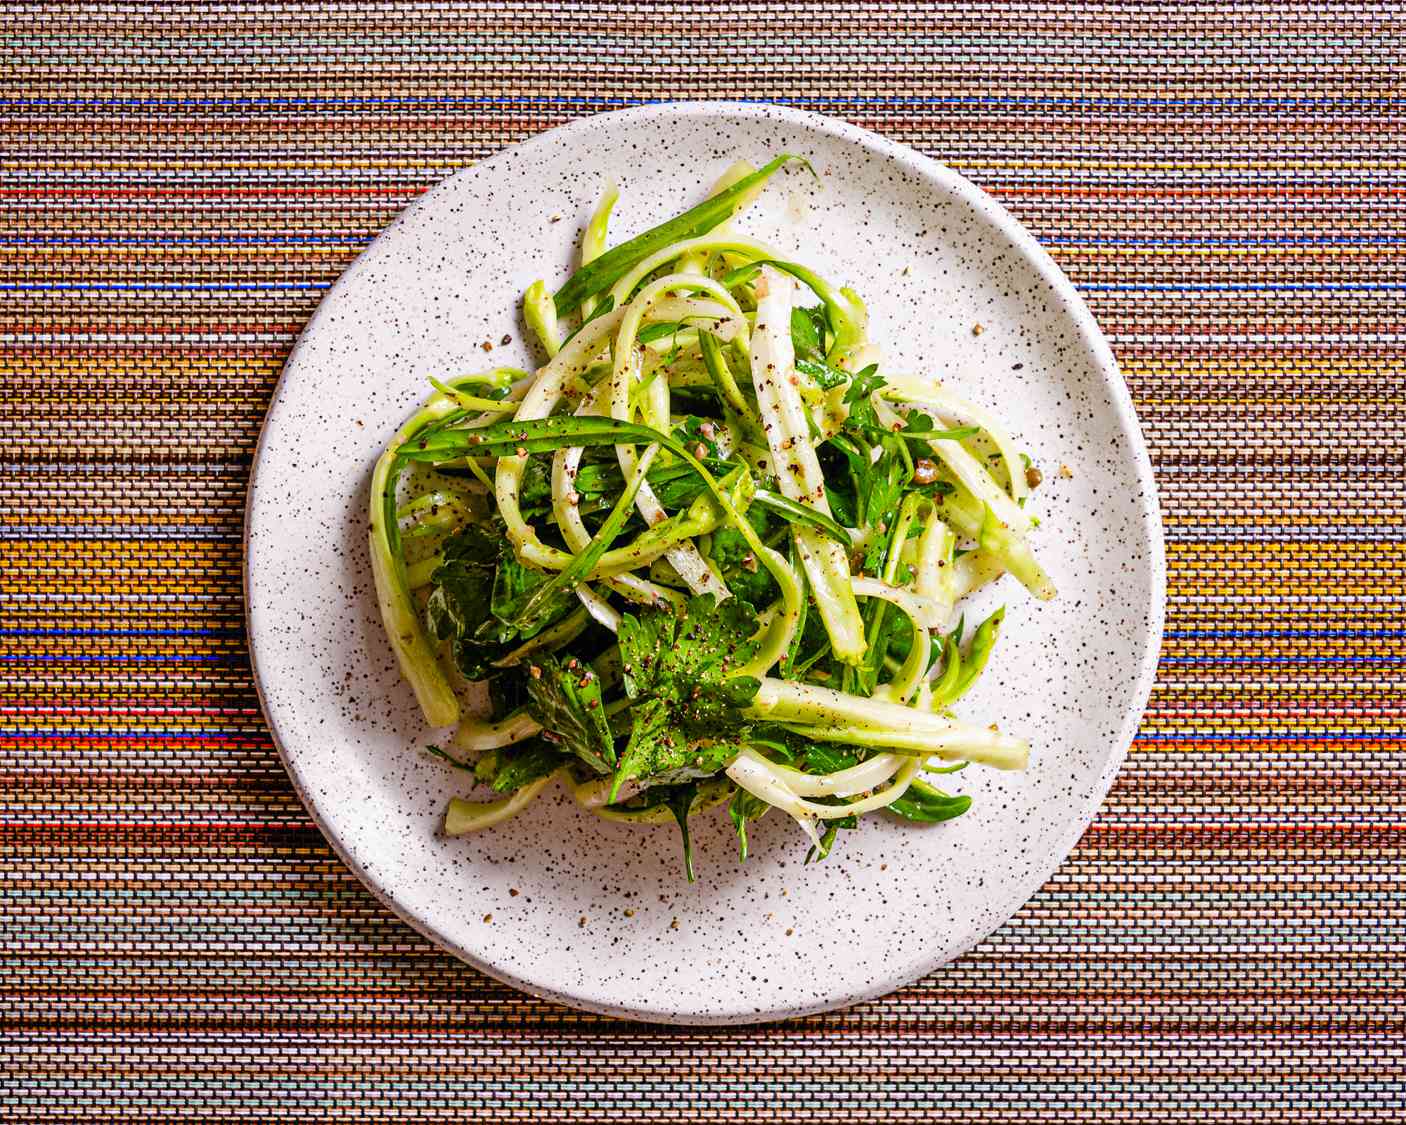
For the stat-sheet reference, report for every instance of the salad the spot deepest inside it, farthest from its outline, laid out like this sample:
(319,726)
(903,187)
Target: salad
(712,552)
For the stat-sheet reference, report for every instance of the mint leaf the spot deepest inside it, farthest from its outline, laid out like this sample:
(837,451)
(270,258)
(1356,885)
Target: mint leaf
(566,700)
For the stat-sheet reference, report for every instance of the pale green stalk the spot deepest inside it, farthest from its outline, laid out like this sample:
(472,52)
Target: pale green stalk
(541,315)
(593,240)
(798,472)
(474,816)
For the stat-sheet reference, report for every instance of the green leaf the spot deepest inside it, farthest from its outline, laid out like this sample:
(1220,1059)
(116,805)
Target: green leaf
(616,262)
(746,577)
(825,376)
(924,803)
(459,609)
(659,751)
(808,332)
(566,700)
(808,329)
(829,757)
(515,588)
(862,417)
(681,804)
(676,667)
(526,762)
(684,658)
(742,808)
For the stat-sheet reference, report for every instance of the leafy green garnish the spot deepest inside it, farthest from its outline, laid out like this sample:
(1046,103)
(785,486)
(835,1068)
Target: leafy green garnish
(681,804)
(925,803)
(525,762)
(526,600)
(659,750)
(458,609)
(566,699)
(679,662)
(684,658)
(808,329)
(742,808)
(742,570)
(478,591)
(829,757)
(862,417)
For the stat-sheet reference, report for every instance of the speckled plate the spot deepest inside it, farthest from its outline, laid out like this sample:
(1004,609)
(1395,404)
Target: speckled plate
(595,914)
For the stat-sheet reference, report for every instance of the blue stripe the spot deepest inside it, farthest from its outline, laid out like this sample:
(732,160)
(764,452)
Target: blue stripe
(1297,659)
(1346,633)
(590,100)
(159,286)
(353,239)
(29,632)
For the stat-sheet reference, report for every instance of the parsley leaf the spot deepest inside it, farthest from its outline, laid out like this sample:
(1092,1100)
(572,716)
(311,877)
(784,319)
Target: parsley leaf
(684,659)
(676,669)
(808,329)
(660,751)
(477,592)
(566,700)
(862,416)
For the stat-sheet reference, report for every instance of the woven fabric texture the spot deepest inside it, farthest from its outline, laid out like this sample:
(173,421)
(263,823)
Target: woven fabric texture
(1227,185)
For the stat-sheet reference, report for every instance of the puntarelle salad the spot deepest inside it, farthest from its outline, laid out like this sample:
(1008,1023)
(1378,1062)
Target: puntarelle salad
(711,552)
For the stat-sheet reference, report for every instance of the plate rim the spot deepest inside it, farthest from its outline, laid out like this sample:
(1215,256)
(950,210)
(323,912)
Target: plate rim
(922,167)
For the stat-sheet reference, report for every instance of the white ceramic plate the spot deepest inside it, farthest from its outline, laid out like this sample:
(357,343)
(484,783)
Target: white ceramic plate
(595,914)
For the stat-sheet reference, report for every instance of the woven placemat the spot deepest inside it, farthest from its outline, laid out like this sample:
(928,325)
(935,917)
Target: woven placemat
(181,183)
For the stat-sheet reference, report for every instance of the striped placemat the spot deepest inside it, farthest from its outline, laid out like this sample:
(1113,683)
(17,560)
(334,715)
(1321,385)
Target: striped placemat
(180,183)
